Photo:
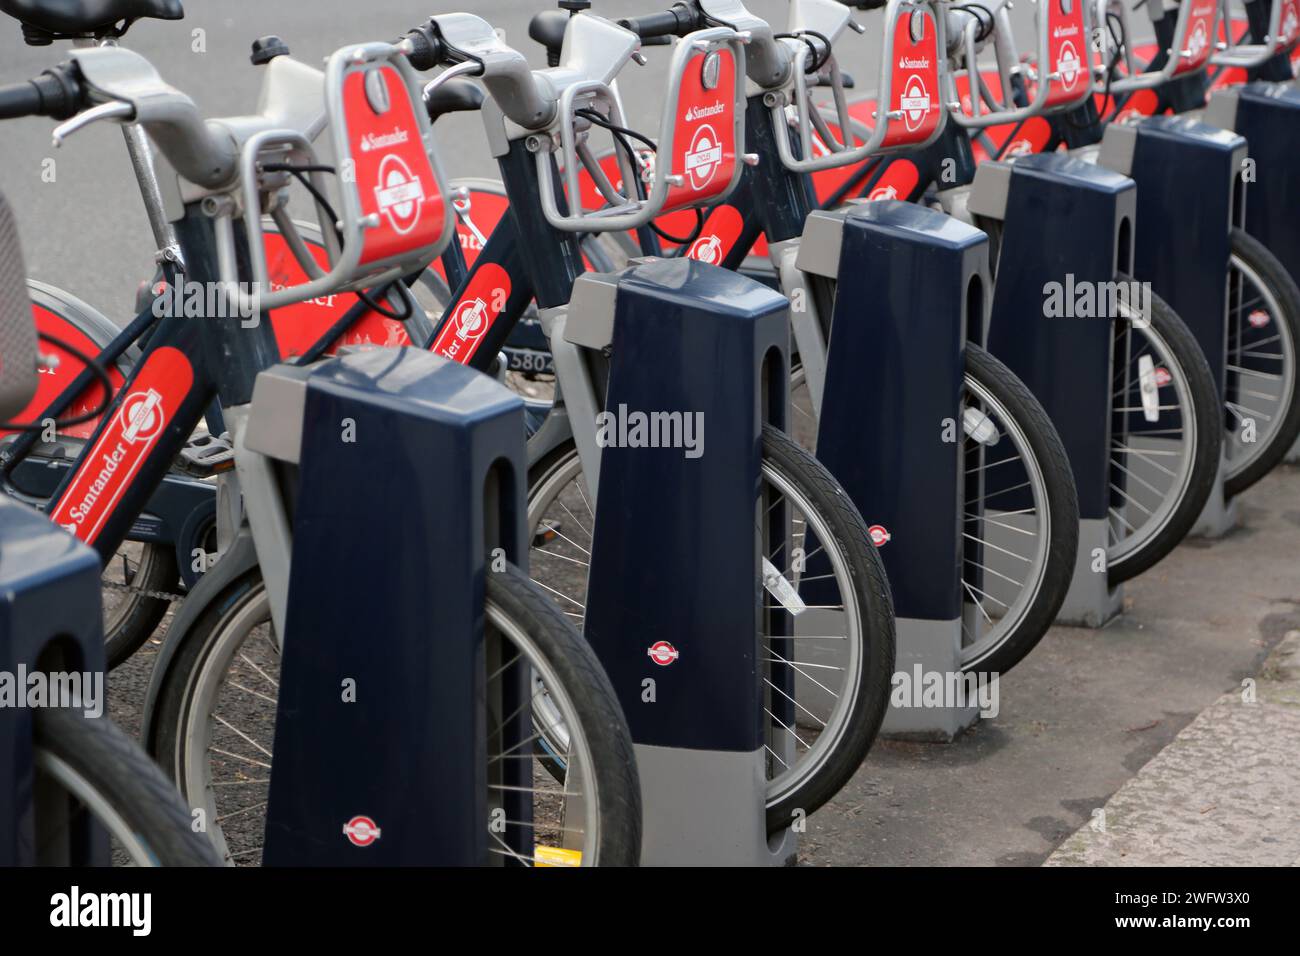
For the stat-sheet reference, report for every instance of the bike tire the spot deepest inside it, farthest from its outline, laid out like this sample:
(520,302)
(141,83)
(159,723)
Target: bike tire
(132,790)
(850,536)
(619,804)
(871,691)
(1206,412)
(1272,274)
(134,620)
(1062,509)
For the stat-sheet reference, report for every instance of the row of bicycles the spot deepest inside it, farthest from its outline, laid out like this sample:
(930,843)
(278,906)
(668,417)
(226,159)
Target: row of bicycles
(590,510)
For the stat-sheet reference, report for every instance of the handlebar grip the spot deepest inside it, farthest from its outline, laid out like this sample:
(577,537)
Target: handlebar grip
(678,21)
(54,93)
(427,52)
(19,99)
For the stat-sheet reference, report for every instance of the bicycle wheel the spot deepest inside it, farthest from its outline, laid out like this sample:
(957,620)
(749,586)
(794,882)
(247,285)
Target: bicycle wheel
(88,769)
(1166,437)
(826,673)
(215,729)
(1021,515)
(1263,402)
(132,581)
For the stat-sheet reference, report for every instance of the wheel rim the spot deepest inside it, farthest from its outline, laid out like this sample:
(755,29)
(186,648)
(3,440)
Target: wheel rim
(1005,551)
(1261,367)
(825,689)
(227,730)
(1151,464)
(133,562)
(1005,548)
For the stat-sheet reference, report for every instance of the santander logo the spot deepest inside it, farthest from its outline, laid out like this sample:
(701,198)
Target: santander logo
(694,113)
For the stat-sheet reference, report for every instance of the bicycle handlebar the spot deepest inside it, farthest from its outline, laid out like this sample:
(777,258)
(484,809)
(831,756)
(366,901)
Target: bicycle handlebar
(678,21)
(56,93)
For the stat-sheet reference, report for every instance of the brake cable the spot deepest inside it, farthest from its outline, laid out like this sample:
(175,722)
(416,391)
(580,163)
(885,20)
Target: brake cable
(621,135)
(300,173)
(96,369)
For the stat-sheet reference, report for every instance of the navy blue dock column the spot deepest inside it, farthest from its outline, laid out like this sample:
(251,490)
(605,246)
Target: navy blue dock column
(1268,115)
(1065,222)
(50,620)
(674,602)
(890,430)
(409,473)
(1188,175)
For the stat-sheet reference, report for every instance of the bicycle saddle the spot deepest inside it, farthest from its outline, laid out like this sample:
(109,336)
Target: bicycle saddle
(47,20)
(17,330)
(454,96)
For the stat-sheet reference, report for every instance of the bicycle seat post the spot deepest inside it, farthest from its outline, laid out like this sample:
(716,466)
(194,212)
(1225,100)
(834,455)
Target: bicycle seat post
(146,176)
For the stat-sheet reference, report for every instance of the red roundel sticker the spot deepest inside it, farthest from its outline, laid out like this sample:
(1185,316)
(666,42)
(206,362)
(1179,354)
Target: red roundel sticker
(1163,377)
(662,653)
(879,536)
(361,831)
(483,300)
(1258,319)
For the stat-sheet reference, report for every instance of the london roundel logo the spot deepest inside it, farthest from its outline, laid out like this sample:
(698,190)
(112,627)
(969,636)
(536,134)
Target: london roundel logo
(1163,377)
(141,416)
(361,831)
(879,536)
(704,157)
(707,249)
(1198,42)
(915,102)
(1067,64)
(399,193)
(470,319)
(662,653)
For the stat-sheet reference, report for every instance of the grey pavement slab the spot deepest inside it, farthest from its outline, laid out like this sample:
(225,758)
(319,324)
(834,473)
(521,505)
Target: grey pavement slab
(1225,792)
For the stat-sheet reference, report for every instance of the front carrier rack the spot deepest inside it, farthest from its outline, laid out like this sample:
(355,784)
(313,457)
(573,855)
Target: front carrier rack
(393,211)
(698,158)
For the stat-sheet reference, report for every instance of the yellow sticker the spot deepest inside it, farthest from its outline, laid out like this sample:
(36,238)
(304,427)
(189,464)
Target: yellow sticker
(556,856)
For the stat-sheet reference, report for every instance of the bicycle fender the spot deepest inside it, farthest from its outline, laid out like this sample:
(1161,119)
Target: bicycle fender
(238,560)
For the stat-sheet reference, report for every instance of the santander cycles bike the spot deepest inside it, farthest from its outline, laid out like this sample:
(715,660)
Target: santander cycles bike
(1262,401)
(211,704)
(1005,430)
(1152,347)
(534,254)
(87,776)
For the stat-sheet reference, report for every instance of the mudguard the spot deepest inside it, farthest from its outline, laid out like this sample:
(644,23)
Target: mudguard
(239,559)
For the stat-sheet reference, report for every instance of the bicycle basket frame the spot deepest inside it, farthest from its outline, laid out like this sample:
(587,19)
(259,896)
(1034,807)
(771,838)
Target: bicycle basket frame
(915,78)
(1197,19)
(1061,57)
(394,212)
(701,131)
(1283,32)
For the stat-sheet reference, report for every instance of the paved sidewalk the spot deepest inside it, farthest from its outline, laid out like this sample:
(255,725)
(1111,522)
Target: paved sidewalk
(1084,713)
(1226,792)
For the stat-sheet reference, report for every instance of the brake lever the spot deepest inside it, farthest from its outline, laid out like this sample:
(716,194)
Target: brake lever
(114,109)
